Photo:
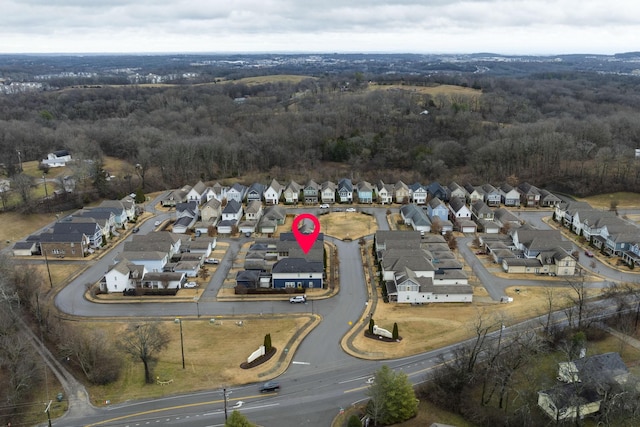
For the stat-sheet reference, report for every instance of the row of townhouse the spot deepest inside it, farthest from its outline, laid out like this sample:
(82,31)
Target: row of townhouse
(458,215)
(604,230)
(419,270)
(158,260)
(345,191)
(82,232)
(525,249)
(281,264)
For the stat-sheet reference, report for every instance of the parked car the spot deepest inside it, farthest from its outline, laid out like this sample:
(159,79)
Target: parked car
(324,206)
(212,261)
(297,299)
(157,223)
(190,285)
(589,254)
(269,386)
(351,209)
(135,230)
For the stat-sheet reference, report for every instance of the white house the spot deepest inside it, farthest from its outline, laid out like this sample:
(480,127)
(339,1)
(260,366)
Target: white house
(273,192)
(57,159)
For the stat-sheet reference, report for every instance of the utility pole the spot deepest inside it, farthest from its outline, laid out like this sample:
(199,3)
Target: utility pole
(46,262)
(224,391)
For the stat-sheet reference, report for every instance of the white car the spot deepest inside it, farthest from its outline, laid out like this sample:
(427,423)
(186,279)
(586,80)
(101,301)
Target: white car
(190,285)
(212,261)
(297,299)
(324,206)
(157,223)
(351,209)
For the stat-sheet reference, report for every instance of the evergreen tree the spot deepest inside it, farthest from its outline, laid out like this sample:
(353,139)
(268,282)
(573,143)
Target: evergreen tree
(140,197)
(371,324)
(392,399)
(236,419)
(395,331)
(267,342)
(354,421)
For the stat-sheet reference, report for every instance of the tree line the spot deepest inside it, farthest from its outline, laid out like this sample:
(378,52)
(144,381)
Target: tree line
(573,132)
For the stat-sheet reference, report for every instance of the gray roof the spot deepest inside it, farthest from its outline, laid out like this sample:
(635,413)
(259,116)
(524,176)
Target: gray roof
(297,265)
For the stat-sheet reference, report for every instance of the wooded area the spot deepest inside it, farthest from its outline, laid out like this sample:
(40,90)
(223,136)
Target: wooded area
(573,132)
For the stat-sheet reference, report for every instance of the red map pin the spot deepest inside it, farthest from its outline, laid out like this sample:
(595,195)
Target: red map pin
(305,240)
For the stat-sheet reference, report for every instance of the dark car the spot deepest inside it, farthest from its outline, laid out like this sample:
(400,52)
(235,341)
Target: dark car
(269,386)
(135,230)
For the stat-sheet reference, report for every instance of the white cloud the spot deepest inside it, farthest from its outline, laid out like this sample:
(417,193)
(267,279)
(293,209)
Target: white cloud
(503,26)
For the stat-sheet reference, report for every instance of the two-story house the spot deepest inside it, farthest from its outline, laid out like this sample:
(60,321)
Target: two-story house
(365,192)
(345,191)
(418,193)
(328,192)
(384,193)
(273,192)
(311,191)
(401,193)
(237,192)
(291,193)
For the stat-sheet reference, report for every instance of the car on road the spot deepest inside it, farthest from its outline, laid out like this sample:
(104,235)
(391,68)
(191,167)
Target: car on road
(190,285)
(212,261)
(157,223)
(135,230)
(351,209)
(589,254)
(324,206)
(269,386)
(297,299)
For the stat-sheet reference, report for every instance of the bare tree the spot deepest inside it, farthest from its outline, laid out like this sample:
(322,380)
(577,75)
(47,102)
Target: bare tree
(143,341)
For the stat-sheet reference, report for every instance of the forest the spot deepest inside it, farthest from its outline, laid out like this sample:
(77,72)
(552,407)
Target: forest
(567,132)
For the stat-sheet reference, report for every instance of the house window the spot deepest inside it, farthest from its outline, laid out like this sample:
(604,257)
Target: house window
(310,285)
(289,284)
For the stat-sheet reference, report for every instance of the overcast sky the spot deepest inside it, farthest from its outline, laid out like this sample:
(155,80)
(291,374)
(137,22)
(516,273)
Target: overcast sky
(417,26)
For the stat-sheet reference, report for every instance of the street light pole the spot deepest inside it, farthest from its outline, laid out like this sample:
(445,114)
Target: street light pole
(179,321)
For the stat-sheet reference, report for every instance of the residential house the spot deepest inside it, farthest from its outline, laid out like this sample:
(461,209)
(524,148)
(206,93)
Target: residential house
(237,192)
(57,159)
(211,211)
(491,196)
(217,191)
(292,193)
(174,197)
(509,195)
(327,192)
(106,219)
(345,191)
(272,217)
(480,211)
(365,192)
(437,209)
(71,242)
(186,216)
(435,190)
(384,193)
(232,211)
(474,193)
(122,276)
(90,229)
(461,215)
(401,193)
(409,288)
(162,280)
(116,208)
(554,262)
(532,242)
(273,193)
(548,199)
(255,192)
(297,273)
(311,190)
(529,195)
(386,239)
(457,191)
(254,211)
(124,209)
(418,193)
(506,219)
(586,383)
(415,216)
(197,193)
